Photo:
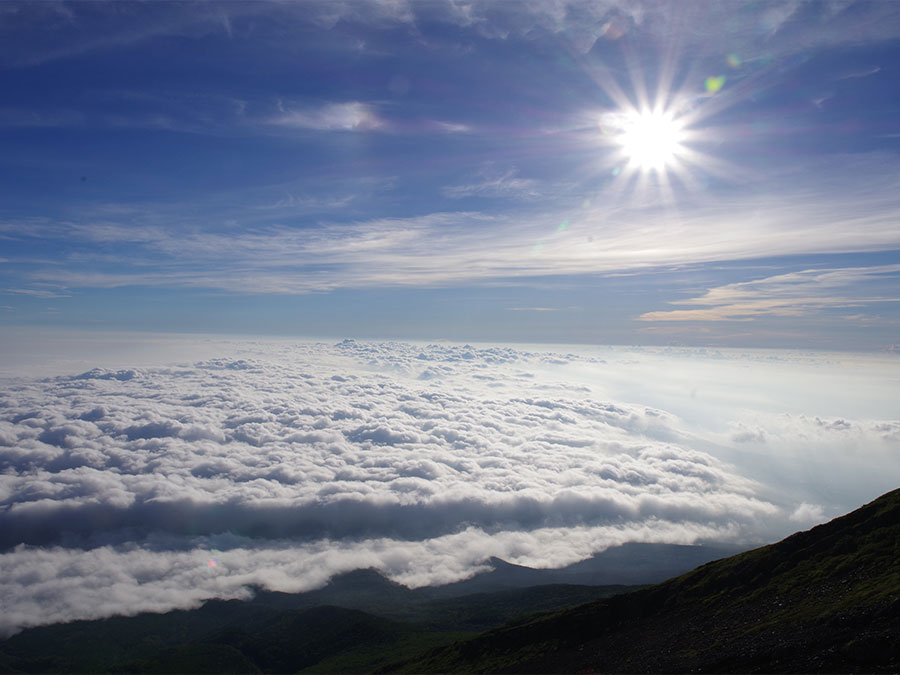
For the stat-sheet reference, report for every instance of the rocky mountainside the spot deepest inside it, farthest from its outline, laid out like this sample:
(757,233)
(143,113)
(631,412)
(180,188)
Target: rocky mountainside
(824,600)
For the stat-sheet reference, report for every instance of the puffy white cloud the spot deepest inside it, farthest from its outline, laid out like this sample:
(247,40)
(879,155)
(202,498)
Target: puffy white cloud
(808,514)
(299,460)
(284,452)
(53,584)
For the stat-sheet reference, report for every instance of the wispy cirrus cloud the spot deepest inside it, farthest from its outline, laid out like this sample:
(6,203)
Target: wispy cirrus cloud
(354,116)
(94,27)
(790,26)
(38,292)
(349,116)
(855,74)
(466,247)
(490,183)
(785,295)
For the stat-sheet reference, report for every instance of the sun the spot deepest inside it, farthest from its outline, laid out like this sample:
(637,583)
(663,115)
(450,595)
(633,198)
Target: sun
(650,147)
(650,140)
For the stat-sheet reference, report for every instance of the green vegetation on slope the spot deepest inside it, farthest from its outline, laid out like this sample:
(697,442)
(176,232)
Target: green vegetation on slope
(826,600)
(278,633)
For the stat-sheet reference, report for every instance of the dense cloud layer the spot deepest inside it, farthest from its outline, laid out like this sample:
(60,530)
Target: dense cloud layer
(421,461)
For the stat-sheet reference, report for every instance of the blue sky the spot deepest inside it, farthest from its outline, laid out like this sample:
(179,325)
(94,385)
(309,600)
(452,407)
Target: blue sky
(460,170)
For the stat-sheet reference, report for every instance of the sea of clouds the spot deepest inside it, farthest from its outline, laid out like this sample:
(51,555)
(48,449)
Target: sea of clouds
(279,464)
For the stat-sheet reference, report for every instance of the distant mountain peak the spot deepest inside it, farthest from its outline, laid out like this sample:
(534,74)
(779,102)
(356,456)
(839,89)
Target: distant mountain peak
(500,563)
(366,577)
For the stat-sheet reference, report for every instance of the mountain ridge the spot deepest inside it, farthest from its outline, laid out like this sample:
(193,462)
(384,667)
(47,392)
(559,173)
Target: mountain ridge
(629,564)
(823,600)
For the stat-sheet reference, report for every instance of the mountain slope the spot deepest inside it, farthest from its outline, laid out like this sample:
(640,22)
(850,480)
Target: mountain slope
(825,600)
(278,632)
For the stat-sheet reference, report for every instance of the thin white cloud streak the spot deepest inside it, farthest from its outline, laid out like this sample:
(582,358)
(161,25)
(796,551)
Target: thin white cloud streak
(580,24)
(493,184)
(80,28)
(350,116)
(447,127)
(353,116)
(534,309)
(470,247)
(36,292)
(791,27)
(855,74)
(784,295)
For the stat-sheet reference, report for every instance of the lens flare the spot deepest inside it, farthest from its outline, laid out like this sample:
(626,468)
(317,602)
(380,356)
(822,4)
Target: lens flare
(713,84)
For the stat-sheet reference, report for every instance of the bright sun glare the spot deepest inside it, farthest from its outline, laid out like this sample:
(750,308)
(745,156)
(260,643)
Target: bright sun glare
(650,140)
